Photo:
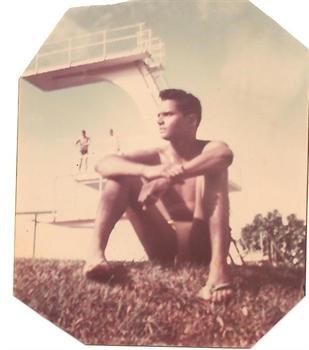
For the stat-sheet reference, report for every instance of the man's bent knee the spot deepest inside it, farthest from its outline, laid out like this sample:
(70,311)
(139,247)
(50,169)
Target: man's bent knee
(128,185)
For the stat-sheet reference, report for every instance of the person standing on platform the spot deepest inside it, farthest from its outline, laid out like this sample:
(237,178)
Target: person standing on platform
(83,143)
(115,142)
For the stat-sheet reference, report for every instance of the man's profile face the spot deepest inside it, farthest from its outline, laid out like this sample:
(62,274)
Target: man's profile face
(171,120)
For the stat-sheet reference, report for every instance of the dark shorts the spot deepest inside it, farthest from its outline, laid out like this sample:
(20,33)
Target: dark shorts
(83,152)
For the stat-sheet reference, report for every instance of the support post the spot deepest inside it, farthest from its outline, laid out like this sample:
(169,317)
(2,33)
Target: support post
(36,67)
(100,186)
(238,252)
(34,235)
(104,43)
(69,52)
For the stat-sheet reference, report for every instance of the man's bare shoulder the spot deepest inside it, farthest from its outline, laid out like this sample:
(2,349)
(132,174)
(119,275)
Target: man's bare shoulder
(214,144)
(149,156)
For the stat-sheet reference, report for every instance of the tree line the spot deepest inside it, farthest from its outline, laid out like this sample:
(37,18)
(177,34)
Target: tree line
(278,242)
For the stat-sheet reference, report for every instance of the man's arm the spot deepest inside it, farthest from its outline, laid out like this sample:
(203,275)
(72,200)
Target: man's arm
(215,158)
(130,164)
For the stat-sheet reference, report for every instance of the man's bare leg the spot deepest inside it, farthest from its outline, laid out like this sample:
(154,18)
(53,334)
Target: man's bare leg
(213,204)
(111,207)
(155,234)
(80,163)
(112,204)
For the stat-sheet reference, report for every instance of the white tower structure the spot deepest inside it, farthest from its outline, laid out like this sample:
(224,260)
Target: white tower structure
(130,57)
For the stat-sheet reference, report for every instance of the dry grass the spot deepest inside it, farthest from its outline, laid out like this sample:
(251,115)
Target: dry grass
(147,304)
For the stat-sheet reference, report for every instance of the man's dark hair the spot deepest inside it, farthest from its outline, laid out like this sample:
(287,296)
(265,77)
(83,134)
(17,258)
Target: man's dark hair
(187,103)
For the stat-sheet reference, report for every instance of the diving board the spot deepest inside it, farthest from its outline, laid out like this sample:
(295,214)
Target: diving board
(130,57)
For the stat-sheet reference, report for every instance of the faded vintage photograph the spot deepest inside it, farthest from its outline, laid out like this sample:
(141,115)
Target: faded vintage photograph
(162,174)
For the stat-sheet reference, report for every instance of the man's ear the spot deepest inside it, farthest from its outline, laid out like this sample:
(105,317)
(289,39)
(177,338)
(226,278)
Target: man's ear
(193,119)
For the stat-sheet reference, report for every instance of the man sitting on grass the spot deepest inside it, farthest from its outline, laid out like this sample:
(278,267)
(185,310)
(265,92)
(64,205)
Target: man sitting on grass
(176,197)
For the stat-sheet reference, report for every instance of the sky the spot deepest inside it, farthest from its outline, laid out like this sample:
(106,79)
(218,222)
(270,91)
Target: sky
(249,74)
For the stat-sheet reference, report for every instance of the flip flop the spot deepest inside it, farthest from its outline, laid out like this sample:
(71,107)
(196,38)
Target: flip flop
(217,288)
(112,273)
(100,271)
(221,286)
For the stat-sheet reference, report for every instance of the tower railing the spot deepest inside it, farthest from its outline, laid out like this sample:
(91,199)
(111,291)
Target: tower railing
(99,46)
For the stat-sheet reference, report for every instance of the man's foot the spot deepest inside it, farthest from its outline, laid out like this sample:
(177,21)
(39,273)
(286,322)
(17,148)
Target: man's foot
(98,270)
(101,271)
(218,293)
(218,288)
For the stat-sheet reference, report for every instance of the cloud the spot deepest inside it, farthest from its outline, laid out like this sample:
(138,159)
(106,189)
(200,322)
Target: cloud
(203,9)
(226,9)
(66,28)
(260,66)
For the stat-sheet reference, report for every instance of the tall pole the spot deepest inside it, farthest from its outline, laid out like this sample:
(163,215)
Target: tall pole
(34,235)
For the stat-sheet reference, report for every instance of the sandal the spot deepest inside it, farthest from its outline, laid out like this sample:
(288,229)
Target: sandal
(213,296)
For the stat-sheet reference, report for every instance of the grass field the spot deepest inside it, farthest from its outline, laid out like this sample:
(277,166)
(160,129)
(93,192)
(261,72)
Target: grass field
(147,304)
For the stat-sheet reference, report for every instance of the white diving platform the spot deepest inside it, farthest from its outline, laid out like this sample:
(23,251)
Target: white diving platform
(83,59)
(92,180)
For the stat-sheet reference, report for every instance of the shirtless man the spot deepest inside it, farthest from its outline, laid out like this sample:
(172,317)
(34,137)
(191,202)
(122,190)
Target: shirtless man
(83,142)
(176,197)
